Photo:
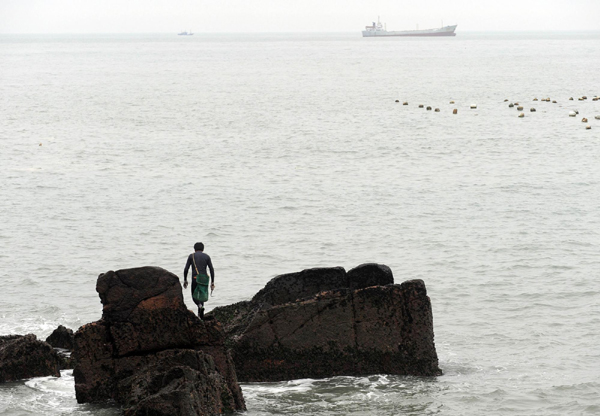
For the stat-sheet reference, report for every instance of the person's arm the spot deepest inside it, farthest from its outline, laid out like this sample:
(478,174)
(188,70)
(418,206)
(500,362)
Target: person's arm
(185,271)
(212,272)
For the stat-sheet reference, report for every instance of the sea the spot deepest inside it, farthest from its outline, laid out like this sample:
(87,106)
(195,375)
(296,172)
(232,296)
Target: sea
(282,152)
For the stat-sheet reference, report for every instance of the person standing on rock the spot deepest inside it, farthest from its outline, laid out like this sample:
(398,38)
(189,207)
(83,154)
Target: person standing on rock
(199,261)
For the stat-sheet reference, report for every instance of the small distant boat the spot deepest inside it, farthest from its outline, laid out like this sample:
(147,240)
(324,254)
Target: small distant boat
(185,33)
(378,29)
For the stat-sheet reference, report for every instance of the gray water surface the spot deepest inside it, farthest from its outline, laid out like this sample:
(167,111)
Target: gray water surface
(283,152)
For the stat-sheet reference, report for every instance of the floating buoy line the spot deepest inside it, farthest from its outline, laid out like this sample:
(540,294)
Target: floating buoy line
(473,106)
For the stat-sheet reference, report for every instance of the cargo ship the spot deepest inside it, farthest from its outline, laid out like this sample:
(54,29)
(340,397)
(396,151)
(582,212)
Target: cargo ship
(378,29)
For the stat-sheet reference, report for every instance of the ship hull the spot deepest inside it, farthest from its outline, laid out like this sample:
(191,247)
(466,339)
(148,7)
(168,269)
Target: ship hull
(444,31)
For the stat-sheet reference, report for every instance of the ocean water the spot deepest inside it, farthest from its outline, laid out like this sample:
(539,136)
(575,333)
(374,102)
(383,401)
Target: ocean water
(288,151)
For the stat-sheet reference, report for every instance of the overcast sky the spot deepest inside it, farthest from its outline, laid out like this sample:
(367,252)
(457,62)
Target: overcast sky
(155,16)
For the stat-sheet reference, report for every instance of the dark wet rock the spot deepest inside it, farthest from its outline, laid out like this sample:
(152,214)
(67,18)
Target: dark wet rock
(290,287)
(180,382)
(61,337)
(355,323)
(145,329)
(369,274)
(24,356)
(296,286)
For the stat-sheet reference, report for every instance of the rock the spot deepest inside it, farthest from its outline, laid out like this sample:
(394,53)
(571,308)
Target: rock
(297,286)
(61,338)
(519,108)
(145,327)
(405,103)
(437,110)
(584,120)
(451,102)
(377,330)
(303,326)
(588,127)
(182,382)
(473,106)
(24,356)
(369,274)
(428,108)
(570,98)
(535,99)
(420,105)
(506,100)
(532,110)
(572,113)
(455,111)
(597,117)
(521,115)
(397,101)
(553,101)
(511,105)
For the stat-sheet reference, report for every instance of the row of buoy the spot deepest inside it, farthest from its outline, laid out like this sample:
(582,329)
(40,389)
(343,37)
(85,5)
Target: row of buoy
(571,113)
(437,110)
(519,108)
(548,100)
(583,98)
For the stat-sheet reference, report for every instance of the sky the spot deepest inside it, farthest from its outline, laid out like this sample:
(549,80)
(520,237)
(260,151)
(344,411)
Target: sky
(169,16)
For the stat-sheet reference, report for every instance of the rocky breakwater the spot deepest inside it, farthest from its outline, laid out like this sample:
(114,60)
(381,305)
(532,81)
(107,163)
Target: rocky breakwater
(150,353)
(327,322)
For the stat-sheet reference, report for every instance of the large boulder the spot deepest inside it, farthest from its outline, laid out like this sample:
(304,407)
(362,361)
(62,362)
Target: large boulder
(61,337)
(367,325)
(301,285)
(294,287)
(24,356)
(144,330)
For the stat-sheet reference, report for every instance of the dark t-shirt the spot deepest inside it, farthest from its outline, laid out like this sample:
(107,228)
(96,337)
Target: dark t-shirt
(202,262)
